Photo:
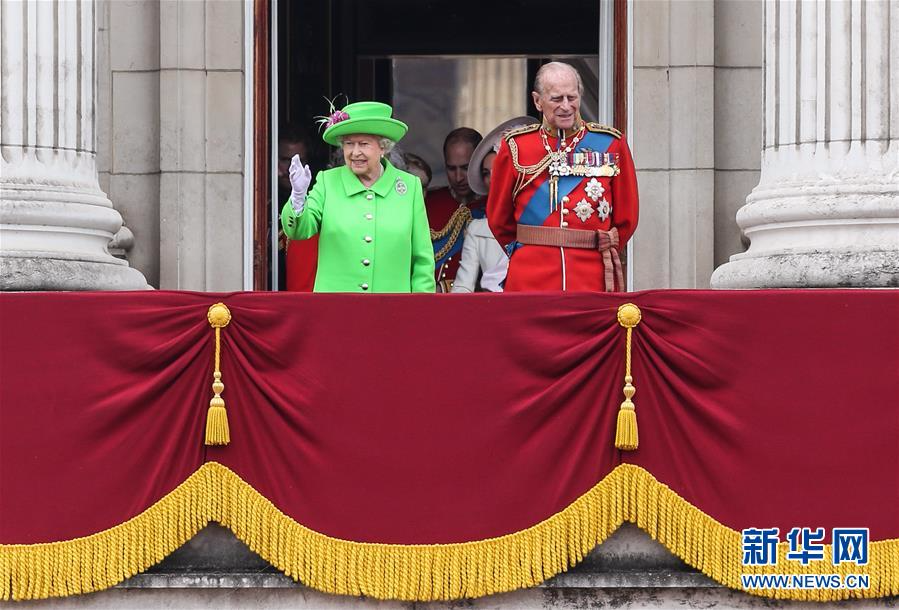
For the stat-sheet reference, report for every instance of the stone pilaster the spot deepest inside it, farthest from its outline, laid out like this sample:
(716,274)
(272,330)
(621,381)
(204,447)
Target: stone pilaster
(673,142)
(56,221)
(826,210)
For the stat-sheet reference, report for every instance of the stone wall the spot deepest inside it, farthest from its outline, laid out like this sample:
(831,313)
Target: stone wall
(697,106)
(674,142)
(128,122)
(739,116)
(171,143)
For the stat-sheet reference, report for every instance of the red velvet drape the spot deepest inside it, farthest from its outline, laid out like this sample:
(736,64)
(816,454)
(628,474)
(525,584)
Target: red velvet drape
(420,419)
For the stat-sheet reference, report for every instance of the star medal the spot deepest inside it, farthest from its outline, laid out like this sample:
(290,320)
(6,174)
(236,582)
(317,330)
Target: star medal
(583,210)
(559,164)
(604,209)
(594,189)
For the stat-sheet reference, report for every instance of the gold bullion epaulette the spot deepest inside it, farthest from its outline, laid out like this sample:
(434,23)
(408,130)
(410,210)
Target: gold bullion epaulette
(598,128)
(520,130)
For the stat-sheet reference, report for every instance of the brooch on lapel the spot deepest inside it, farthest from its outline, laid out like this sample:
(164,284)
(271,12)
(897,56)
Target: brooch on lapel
(400,186)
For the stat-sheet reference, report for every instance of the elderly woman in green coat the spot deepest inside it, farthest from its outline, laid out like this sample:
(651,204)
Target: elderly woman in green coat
(374,234)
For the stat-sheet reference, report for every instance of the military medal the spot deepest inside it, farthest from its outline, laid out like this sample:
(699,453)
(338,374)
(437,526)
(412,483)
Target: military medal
(559,165)
(603,209)
(583,210)
(594,189)
(582,163)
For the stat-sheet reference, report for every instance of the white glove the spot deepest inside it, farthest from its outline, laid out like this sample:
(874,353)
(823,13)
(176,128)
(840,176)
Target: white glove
(300,178)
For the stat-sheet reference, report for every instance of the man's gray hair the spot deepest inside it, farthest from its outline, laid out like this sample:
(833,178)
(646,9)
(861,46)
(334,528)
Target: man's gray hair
(386,143)
(557,66)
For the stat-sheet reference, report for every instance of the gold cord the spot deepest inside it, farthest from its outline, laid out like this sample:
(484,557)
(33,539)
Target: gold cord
(626,432)
(217,431)
(456,224)
(526,173)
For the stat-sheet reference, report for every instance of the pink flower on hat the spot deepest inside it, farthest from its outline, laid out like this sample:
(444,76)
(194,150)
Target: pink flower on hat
(336,117)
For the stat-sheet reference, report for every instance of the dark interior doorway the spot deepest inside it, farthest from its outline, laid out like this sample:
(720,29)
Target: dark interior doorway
(349,49)
(441,64)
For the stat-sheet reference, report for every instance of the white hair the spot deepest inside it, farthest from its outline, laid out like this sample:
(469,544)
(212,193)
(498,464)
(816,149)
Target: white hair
(556,67)
(386,143)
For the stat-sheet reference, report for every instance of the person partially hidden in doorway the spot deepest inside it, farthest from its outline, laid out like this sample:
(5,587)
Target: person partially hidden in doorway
(483,263)
(452,207)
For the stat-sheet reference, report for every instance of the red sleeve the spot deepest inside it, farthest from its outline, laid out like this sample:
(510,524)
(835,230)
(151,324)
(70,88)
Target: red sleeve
(500,206)
(625,203)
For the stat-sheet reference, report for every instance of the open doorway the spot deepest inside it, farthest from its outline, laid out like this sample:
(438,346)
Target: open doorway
(440,64)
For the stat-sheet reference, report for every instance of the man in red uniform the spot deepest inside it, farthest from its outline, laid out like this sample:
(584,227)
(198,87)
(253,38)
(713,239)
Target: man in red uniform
(563,196)
(451,208)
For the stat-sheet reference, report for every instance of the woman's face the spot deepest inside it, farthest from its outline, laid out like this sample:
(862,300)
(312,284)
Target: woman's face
(487,168)
(362,153)
(417,171)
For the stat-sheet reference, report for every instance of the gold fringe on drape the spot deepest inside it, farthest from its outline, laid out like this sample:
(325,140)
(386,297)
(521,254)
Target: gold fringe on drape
(104,559)
(414,572)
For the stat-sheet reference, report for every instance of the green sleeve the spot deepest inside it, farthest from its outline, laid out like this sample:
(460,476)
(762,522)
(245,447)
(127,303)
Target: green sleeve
(309,222)
(422,248)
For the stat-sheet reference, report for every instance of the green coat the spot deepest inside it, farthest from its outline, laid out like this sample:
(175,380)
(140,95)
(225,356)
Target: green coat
(373,239)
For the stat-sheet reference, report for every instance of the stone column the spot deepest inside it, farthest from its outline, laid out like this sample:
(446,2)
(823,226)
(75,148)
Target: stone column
(56,222)
(826,210)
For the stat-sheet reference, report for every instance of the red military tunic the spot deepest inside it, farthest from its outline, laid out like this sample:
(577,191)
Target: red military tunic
(585,203)
(441,206)
(302,260)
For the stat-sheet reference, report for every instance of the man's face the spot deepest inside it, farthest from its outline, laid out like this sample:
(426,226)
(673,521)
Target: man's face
(286,151)
(457,156)
(560,100)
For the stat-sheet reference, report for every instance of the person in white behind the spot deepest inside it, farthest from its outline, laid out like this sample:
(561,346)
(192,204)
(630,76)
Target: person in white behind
(481,253)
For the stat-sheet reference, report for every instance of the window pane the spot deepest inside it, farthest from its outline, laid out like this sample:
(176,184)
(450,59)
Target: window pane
(434,95)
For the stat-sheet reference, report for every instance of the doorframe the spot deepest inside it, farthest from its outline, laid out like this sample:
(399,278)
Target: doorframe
(259,142)
(249,192)
(624,95)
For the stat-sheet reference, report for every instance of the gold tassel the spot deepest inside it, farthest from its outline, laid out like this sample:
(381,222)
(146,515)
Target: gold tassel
(627,436)
(217,432)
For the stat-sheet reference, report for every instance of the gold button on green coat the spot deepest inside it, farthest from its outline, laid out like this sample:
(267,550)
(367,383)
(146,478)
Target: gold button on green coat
(385,224)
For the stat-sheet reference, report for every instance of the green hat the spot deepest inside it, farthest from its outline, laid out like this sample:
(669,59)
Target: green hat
(364,117)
